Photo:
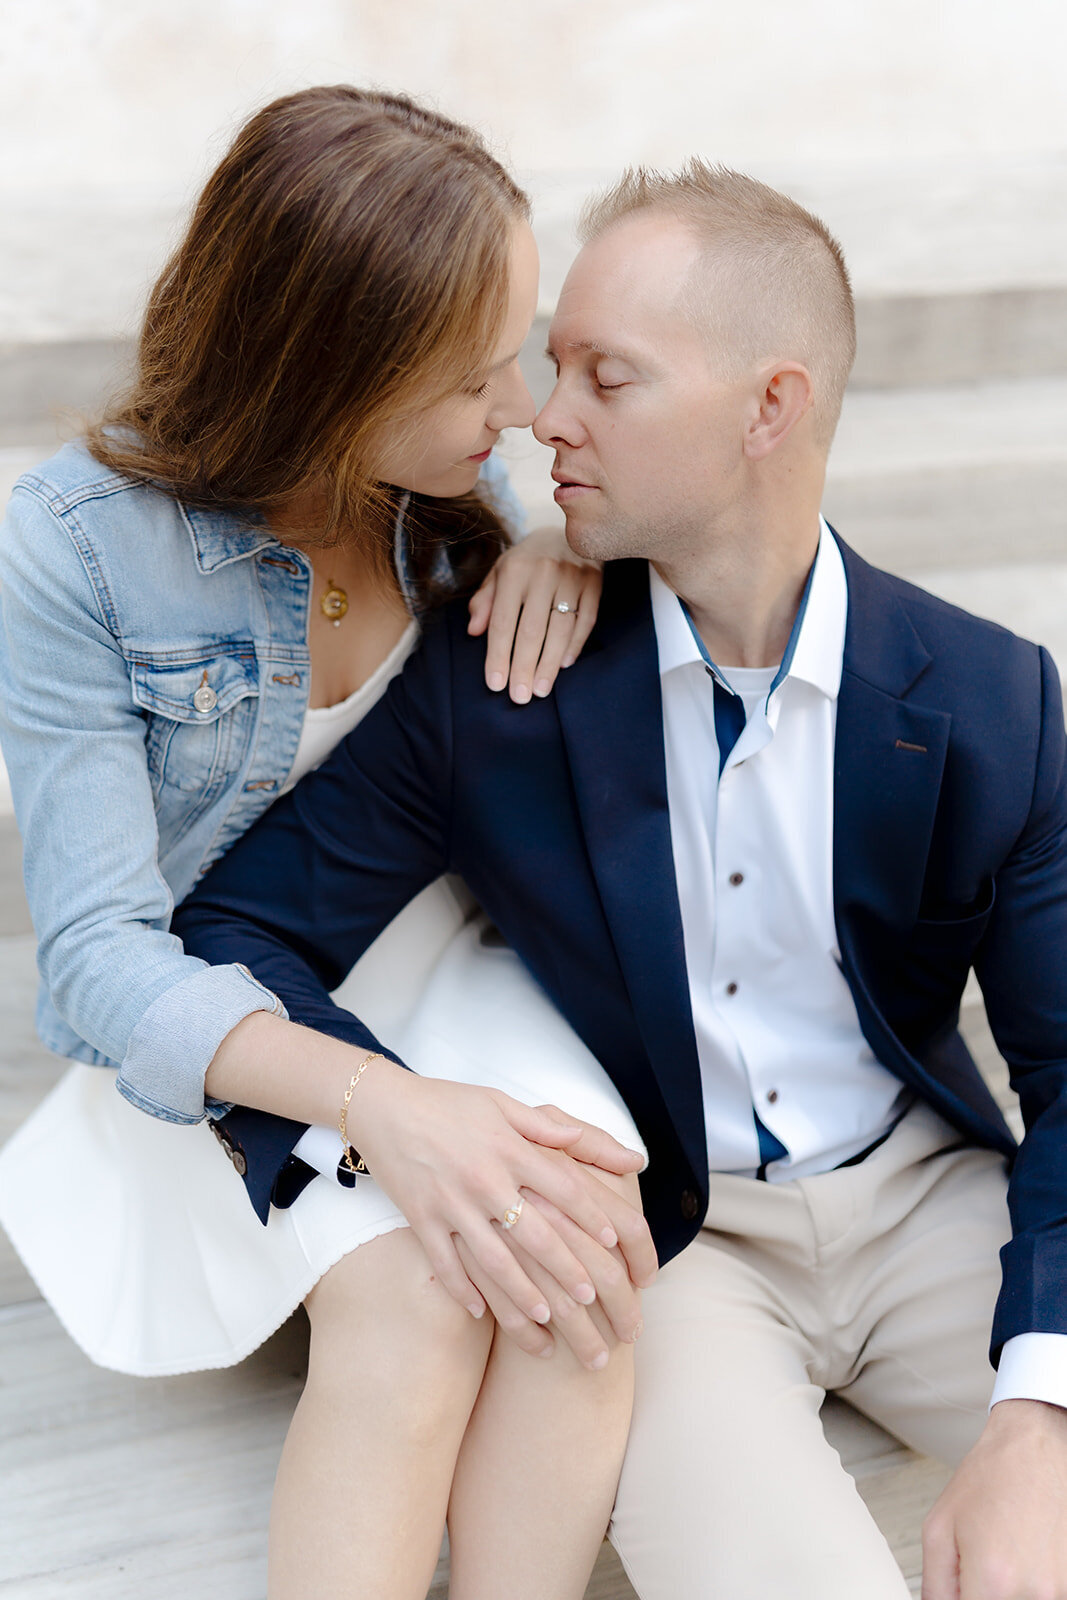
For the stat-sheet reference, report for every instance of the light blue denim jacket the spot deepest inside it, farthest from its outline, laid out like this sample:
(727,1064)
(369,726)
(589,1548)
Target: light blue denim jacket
(153,681)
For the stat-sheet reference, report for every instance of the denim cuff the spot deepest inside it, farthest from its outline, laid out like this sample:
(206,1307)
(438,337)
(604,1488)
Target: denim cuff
(173,1045)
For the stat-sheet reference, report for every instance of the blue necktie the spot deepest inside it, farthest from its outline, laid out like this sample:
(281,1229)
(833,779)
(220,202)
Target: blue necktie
(729,722)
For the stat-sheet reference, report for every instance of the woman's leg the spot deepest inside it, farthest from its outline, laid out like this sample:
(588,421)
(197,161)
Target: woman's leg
(538,1468)
(363,1485)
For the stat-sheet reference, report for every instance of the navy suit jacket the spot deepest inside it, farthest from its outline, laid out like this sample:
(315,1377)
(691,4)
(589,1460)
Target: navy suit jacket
(950,851)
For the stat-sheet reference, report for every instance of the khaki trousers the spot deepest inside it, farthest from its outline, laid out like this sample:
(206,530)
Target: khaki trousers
(876,1281)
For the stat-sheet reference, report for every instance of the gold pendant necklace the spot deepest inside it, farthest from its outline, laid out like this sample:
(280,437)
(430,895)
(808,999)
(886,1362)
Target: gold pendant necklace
(334,602)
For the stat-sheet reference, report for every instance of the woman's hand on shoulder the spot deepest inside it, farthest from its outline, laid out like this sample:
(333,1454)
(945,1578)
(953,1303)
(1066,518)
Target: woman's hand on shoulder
(518,606)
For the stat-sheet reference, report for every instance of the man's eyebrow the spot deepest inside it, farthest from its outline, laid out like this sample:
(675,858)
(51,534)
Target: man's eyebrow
(593,345)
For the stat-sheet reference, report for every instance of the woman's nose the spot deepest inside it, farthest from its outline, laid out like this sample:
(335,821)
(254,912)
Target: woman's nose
(515,408)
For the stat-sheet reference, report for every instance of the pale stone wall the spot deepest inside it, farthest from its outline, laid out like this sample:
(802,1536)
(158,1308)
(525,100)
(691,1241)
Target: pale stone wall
(131,93)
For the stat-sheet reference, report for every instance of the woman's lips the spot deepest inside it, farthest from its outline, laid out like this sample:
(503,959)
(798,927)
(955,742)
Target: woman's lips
(484,455)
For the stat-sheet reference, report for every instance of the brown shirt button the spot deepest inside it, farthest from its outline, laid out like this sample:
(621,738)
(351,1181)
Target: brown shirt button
(772,1096)
(690,1204)
(731,988)
(736,878)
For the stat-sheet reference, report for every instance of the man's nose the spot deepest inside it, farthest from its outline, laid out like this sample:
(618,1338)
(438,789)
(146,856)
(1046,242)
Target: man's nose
(555,424)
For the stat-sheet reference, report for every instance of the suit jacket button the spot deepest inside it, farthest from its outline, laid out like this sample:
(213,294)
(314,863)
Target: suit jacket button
(240,1162)
(690,1204)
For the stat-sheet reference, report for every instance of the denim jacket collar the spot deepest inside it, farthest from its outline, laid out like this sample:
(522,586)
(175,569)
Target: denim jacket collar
(220,537)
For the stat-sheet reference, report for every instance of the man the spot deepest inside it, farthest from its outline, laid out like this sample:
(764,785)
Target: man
(787,803)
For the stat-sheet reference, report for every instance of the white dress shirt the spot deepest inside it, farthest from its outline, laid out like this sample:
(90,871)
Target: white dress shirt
(776,1027)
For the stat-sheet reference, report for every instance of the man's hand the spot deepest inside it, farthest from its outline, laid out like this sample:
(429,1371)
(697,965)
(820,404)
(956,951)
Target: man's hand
(999,1530)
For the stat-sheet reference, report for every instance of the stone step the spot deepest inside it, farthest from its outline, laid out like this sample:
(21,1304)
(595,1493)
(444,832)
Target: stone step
(905,340)
(958,476)
(962,489)
(959,268)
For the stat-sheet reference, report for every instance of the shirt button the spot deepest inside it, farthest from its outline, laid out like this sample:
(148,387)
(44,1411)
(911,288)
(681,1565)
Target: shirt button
(205,699)
(731,988)
(736,878)
(772,1096)
(690,1204)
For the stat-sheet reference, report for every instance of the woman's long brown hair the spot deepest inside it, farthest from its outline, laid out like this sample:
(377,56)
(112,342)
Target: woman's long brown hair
(346,264)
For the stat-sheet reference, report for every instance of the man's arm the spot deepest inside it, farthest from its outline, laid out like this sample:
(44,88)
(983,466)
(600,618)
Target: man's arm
(999,1531)
(298,900)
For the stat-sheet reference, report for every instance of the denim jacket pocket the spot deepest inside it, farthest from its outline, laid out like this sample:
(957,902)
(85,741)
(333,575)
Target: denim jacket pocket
(200,715)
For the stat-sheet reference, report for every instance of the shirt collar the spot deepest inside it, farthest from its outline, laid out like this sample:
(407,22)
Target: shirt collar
(817,642)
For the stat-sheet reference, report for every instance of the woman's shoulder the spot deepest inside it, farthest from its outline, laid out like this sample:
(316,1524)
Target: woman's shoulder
(75,488)
(118,520)
(128,553)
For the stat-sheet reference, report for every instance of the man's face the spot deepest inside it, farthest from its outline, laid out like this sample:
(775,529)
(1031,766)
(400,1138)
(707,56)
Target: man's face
(648,438)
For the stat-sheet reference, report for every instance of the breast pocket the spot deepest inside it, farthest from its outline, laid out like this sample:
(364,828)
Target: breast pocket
(200,716)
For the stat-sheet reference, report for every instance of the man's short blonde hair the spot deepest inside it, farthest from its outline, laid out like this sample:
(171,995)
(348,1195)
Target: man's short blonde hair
(770,282)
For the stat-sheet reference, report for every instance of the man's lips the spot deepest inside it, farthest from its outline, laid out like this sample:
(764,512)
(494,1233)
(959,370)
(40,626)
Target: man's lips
(570,489)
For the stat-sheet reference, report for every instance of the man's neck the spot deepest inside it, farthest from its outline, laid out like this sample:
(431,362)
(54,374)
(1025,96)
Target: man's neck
(743,594)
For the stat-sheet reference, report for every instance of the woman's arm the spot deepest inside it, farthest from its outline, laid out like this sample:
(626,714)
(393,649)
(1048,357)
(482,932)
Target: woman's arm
(74,747)
(299,898)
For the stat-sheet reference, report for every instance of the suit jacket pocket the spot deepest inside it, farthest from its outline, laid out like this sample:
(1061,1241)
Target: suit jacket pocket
(932,963)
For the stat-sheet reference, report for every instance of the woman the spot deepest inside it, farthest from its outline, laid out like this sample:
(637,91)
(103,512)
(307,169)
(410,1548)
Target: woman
(197,603)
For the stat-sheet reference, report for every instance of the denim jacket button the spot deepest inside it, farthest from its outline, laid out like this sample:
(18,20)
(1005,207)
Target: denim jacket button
(205,698)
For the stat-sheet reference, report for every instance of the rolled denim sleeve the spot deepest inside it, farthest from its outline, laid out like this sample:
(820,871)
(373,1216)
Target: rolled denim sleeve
(73,743)
(188,1023)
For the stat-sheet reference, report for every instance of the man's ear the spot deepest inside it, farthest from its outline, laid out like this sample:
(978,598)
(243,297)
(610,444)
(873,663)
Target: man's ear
(784,394)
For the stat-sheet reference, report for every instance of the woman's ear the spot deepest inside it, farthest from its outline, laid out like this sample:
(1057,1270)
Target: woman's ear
(784,395)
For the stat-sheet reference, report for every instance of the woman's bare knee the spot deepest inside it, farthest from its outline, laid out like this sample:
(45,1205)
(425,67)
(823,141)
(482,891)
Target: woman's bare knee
(382,1311)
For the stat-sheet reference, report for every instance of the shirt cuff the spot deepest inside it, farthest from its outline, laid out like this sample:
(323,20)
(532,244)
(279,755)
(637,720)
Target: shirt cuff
(1033,1366)
(322,1149)
(173,1045)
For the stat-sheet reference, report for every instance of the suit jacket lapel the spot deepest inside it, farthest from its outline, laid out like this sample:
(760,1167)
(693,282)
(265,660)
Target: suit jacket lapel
(889,756)
(612,720)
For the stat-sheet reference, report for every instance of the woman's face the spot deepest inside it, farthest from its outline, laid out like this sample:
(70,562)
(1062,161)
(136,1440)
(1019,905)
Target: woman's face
(440,451)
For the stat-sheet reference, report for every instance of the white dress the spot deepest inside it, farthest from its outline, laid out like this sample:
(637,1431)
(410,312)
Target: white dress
(139,1232)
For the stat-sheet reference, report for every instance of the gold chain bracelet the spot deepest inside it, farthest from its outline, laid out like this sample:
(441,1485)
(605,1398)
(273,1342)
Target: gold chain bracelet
(358,1165)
